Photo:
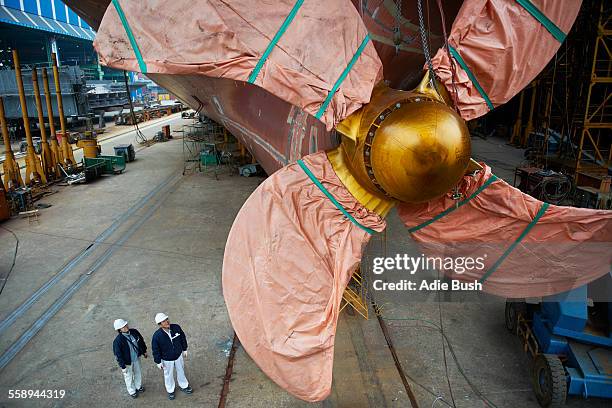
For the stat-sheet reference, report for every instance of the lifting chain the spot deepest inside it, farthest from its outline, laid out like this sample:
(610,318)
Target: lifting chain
(424,42)
(397,34)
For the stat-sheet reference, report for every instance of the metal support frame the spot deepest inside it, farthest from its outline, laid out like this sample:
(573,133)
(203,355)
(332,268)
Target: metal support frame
(596,133)
(516,129)
(34,171)
(65,143)
(56,153)
(48,165)
(355,295)
(12,173)
(196,137)
(532,105)
(523,330)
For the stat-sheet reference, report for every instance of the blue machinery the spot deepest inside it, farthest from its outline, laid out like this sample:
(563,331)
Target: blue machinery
(570,338)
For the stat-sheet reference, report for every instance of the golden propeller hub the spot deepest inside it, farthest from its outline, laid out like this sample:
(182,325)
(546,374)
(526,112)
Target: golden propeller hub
(419,152)
(402,146)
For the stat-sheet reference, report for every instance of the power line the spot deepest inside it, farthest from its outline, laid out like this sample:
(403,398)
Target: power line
(14,258)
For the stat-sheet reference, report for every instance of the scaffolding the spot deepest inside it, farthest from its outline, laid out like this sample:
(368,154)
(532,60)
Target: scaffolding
(564,118)
(594,152)
(206,147)
(356,295)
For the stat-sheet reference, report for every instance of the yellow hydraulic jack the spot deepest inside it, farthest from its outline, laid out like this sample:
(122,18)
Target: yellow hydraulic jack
(48,165)
(56,152)
(34,171)
(12,174)
(65,143)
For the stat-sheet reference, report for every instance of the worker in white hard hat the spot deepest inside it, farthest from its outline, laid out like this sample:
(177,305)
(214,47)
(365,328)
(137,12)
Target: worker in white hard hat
(128,346)
(169,346)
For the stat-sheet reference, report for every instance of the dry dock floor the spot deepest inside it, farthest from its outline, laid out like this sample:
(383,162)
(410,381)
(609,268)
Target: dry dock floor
(153,240)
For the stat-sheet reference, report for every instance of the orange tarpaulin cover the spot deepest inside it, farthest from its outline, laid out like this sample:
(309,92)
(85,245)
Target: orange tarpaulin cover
(504,46)
(565,248)
(288,258)
(226,39)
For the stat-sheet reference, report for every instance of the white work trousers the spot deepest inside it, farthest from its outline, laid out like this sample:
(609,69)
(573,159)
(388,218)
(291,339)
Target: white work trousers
(180,374)
(133,377)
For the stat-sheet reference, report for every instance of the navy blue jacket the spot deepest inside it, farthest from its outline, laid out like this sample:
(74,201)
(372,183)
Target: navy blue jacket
(163,348)
(121,348)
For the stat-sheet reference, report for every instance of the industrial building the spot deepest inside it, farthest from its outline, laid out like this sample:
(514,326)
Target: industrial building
(39,29)
(298,203)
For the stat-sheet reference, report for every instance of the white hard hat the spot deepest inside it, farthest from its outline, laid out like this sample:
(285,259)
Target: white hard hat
(160,317)
(119,323)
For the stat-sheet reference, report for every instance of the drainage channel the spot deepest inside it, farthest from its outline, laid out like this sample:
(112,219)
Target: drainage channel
(20,343)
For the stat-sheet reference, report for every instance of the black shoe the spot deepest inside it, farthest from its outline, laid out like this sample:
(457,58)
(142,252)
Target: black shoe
(187,390)
(171,396)
(141,389)
(134,395)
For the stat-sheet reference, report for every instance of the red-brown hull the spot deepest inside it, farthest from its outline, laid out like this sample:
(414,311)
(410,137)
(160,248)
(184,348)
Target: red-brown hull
(274,131)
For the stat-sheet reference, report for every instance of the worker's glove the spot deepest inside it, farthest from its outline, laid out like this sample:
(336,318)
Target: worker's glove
(185,354)
(160,366)
(124,370)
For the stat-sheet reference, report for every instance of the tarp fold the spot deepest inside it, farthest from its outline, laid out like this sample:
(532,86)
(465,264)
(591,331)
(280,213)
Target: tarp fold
(566,248)
(288,258)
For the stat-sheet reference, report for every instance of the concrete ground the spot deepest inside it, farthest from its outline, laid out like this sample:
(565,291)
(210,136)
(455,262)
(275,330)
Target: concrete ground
(151,240)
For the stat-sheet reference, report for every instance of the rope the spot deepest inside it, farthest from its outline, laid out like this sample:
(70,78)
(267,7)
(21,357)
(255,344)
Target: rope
(6,278)
(140,137)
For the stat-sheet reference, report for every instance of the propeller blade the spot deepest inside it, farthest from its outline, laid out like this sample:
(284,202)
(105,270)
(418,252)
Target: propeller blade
(269,44)
(498,47)
(288,258)
(530,248)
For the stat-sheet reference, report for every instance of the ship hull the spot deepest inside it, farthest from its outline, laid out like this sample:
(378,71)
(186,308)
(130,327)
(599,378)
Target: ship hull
(274,131)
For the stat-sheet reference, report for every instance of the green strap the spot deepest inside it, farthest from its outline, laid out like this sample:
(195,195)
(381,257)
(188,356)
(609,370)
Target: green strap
(532,224)
(128,30)
(461,62)
(275,39)
(331,198)
(342,77)
(460,204)
(545,21)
